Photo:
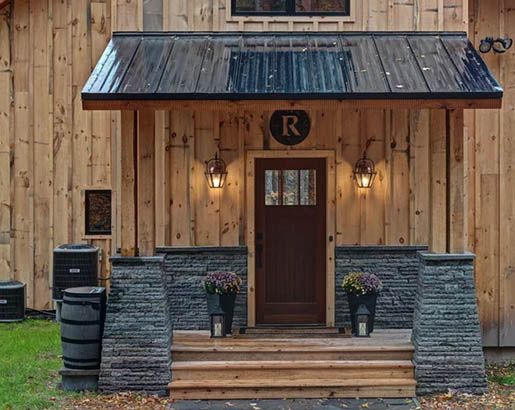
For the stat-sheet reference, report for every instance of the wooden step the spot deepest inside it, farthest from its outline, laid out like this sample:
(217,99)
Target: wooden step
(292,370)
(305,388)
(289,352)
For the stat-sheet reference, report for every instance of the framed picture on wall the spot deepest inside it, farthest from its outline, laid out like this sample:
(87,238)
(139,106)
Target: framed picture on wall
(98,212)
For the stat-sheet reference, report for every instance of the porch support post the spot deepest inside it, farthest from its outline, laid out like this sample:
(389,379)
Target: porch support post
(146,198)
(128,183)
(455,182)
(438,183)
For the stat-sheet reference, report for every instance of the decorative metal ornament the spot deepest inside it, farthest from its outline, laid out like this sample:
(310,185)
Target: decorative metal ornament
(499,45)
(362,321)
(485,45)
(364,172)
(216,172)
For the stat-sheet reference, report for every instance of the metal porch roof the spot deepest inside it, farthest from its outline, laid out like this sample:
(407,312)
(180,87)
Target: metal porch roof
(256,66)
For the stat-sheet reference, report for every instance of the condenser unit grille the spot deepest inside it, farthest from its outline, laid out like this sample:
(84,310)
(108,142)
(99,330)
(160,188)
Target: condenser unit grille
(12,301)
(74,266)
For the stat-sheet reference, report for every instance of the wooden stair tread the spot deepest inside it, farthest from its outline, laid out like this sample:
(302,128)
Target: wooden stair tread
(279,383)
(290,348)
(300,367)
(291,364)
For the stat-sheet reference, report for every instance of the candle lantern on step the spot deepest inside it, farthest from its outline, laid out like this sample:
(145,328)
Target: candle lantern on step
(362,321)
(218,325)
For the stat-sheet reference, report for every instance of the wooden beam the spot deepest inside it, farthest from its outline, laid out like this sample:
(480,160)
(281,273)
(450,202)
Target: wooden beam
(455,182)
(288,104)
(438,183)
(146,188)
(129,182)
(4,3)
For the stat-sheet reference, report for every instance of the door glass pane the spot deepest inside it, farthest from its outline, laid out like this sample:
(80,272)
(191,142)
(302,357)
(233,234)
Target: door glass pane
(271,187)
(290,187)
(324,6)
(308,187)
(250,6)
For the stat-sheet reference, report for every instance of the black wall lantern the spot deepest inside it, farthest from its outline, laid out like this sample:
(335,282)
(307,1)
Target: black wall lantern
(216,172)
(365,172)
(362,321)
(218,325)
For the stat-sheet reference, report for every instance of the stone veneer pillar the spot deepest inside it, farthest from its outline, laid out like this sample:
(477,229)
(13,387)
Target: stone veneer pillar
(136,346)
(446,331)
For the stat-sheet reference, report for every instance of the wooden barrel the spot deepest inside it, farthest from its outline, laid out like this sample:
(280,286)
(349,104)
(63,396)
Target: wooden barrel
(82,325)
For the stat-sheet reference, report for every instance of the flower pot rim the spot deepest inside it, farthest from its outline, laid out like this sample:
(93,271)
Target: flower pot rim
(363,294)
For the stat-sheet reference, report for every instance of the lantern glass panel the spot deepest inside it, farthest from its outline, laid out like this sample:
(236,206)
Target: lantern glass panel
(216,172)
(362,321)
(365,180)
(363,326)
(364,172)
(217,325)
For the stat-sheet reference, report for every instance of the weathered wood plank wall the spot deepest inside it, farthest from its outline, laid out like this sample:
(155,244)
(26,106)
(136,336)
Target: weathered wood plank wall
(6,133)
(197,15)
(50,150)
(491,181)
(206,217)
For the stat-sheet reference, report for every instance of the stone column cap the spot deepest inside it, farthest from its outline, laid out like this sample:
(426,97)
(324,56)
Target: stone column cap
(136,260)
(447,257)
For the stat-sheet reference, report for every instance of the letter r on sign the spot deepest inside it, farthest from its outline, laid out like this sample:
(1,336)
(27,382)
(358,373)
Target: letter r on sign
(290,126)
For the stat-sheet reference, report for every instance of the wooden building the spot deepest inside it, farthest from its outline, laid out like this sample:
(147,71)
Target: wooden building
(445,166)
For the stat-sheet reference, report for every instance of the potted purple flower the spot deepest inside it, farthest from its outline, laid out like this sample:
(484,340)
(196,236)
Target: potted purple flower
(221,290)
(362,289)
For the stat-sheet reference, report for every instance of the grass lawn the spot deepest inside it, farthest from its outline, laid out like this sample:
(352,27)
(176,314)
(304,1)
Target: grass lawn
(30,360)
(29,364)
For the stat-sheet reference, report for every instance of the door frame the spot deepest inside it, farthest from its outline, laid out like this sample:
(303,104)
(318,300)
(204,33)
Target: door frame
(329,156)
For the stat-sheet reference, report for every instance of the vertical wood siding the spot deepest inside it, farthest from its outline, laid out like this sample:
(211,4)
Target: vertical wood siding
(399,143)
(50,150)
(491,180)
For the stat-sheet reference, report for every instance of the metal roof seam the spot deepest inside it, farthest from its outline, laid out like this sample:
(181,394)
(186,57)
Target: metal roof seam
(454,64)
(128,65)
(382,65)
(156,88)
(418,65)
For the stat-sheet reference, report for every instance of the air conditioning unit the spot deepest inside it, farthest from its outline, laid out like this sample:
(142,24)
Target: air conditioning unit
(75,265)
(12,301)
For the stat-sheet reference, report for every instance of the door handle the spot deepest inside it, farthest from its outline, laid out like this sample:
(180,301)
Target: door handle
(259,255)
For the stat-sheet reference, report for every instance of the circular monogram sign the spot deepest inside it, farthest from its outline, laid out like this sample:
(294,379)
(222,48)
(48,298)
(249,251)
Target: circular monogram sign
(290,127)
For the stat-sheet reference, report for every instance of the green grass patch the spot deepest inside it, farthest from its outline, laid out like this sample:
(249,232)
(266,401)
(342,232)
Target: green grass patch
(503,375)
(29,363)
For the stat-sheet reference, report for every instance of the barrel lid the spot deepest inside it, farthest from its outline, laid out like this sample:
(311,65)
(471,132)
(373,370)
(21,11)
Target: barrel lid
(84,291)
(11,284)
(76,247)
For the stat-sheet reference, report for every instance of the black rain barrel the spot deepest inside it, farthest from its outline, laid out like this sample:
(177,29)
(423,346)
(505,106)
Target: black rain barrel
(82,327)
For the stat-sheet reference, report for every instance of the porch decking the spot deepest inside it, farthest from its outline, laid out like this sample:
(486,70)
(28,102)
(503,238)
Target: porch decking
(304,367)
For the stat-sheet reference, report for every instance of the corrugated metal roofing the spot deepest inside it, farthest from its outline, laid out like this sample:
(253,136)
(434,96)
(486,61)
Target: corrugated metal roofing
(164,66)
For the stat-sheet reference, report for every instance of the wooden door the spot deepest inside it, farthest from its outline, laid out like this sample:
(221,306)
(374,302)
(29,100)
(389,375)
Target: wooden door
(290,241)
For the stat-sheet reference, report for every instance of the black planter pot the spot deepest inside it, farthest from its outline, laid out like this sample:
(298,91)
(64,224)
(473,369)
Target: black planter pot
(222,303)
(355,301)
